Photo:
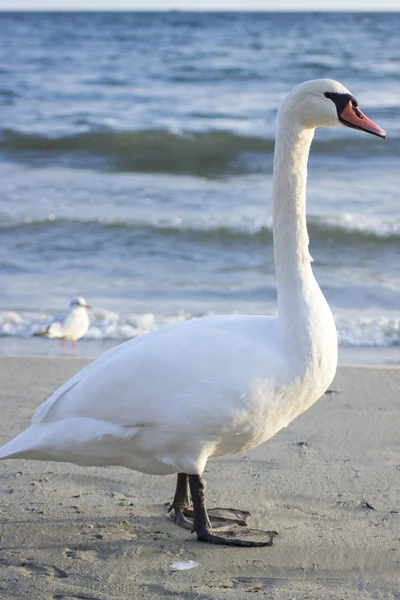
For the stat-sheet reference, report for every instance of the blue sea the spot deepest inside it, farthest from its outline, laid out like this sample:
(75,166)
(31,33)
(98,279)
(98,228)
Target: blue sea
(136,161)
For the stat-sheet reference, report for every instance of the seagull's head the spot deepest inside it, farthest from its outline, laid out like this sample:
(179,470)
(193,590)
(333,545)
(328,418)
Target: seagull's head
(79,302)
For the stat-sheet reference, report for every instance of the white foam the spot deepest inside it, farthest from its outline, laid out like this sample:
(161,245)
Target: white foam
(364,224)
(353,331)
(369,332)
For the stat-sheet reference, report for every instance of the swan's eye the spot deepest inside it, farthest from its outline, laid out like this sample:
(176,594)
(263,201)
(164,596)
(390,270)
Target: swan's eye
(340,100)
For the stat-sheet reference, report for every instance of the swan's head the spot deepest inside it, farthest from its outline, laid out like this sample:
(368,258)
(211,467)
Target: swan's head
(79,302)
(326,103)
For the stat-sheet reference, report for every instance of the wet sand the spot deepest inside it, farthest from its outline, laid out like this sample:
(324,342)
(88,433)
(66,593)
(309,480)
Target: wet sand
(329,484)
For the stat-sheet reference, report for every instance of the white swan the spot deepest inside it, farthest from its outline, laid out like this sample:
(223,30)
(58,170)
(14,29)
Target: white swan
(168,401)
(69,325)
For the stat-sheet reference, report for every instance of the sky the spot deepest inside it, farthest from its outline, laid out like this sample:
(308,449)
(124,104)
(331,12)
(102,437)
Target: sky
(355,5)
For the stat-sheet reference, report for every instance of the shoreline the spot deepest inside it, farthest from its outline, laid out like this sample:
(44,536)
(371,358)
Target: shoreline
(91,349)
(328,483)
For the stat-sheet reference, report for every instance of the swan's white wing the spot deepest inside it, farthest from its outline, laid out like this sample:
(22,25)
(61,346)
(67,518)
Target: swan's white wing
(102,360)
(195,372)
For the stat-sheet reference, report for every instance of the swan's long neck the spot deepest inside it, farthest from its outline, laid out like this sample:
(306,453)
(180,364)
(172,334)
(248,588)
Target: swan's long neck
(294,276)
(305,320)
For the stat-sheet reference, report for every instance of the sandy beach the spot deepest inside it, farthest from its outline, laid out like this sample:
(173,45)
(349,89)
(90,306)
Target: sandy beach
(329,484)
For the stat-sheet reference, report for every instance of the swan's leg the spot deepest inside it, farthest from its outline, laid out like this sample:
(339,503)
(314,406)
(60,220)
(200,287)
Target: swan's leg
(63,347)
(73,348)
(202,525)
(219,517)
(181,501)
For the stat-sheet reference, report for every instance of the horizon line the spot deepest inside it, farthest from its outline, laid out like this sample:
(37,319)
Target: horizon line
(196,10)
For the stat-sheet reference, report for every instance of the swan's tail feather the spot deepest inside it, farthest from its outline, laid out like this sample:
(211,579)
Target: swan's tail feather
(22,446)
(82,441)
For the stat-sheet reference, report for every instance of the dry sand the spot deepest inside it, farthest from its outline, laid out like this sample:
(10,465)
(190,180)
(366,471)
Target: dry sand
(329,484)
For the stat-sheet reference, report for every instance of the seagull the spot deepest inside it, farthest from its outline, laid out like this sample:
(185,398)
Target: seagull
(69,325)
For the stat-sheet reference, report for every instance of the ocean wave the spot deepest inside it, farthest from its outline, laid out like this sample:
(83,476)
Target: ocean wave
(146,151)
(346,229)
(207,154)
(376,331)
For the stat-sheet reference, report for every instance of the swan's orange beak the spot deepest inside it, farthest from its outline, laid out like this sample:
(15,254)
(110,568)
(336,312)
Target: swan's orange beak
(351,116)
(87,306)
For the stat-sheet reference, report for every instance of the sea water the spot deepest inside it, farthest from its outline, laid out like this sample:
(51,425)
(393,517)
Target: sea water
(136,161)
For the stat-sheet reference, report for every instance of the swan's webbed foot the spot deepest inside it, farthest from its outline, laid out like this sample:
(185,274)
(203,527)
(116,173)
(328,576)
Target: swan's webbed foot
(179,517)
(249,538)
(223,518)
(204,531)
